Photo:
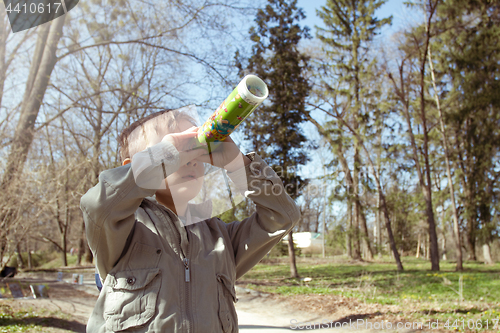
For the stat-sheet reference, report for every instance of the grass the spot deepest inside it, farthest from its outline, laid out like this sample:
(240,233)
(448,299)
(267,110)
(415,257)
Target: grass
(381,282)
(57,262)
(28,320)
(426,293)
(45,260)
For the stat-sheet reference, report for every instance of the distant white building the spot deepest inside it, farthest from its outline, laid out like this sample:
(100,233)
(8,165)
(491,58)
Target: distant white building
(308,242)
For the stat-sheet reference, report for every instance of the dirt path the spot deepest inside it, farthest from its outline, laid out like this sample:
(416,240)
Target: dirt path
(66,310)
(274,314)
(68,307)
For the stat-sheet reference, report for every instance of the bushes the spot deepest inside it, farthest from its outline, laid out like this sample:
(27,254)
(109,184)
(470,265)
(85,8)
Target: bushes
(281,250)
(37,259)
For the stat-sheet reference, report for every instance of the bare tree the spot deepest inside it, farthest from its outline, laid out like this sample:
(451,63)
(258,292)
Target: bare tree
(375,173)
(456,228)
(98,76)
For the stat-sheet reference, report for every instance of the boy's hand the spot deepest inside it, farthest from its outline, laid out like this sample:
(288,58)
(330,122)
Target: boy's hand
(226,155)
(184,142)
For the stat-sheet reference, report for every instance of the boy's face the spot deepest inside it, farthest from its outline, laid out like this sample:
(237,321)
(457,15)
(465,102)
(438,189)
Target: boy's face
(184,184)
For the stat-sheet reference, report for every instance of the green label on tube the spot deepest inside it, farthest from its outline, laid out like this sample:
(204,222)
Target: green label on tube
(245,98)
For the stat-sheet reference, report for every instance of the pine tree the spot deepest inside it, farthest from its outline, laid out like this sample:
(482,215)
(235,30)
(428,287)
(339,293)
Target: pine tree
(349,28)
(274,128)
(469,55)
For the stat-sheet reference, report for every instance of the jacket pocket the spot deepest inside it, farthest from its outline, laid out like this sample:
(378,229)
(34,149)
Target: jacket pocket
(227,296)
(143,256)
(131,299)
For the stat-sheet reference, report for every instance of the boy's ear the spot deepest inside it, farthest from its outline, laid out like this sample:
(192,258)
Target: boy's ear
(126,161)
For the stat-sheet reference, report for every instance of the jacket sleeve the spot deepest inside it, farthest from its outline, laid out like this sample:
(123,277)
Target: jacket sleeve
(276,215)
(109,207)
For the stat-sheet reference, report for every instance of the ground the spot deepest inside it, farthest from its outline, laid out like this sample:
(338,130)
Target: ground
(338,293)
(68,307)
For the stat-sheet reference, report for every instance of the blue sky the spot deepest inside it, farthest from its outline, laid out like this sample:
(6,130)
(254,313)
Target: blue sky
(396,8)
(402,16)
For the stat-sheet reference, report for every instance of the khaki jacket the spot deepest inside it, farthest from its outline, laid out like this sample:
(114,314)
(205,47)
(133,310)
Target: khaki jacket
(160,276)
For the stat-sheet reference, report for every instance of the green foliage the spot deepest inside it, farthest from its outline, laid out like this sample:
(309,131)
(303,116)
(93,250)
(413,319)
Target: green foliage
(44,260)
(336,240)
(352,94)
(227,216)
(350,26)
(382,283)
(57,262)
(468,69)
(281,250)
(274,128)
(37,259)
(243,210)
(408,216)
(28,320)
(349,76)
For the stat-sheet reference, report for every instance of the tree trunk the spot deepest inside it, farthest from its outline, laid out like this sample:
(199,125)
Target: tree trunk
(64,256)
(366,237)
(15,158)
(471,239)
(379,231)
(422,181)
(356,249)
(20,261)
(3,46)
(402,245)
(349,228)
(424,247)
(487,254)
(418,246)
(392,242)
(44,60)
(30,260)
(378,222)
(427,247)
(81,248)
(456,228)
(357,207)
(390,235)
(291,255)
(349,185)
(434,250)
(356,116)
(423,176)
(427,187)
(444,248)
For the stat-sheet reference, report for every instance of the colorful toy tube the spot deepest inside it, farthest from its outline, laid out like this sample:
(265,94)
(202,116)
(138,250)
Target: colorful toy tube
(245,98)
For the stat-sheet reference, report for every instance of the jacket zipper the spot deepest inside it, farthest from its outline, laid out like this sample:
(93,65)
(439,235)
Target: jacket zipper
(186,268)
(187,277)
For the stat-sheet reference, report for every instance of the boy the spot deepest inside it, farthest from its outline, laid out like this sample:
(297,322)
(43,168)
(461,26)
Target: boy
(162,271)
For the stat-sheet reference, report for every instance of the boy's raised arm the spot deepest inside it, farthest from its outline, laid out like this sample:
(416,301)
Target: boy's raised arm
(276,214)
(108,208)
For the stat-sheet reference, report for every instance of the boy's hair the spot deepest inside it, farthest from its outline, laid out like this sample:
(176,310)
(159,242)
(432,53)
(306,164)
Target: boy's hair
(128,144)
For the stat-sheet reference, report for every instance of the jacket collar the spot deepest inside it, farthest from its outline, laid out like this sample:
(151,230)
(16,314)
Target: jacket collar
(196,212)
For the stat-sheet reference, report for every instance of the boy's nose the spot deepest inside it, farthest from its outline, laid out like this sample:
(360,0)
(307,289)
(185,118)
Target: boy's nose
(193,163)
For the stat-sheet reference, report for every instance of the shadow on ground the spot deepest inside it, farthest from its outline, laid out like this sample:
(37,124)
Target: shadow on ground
(71,325)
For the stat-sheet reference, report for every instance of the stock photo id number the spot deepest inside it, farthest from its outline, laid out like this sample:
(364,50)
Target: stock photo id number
(26,14)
